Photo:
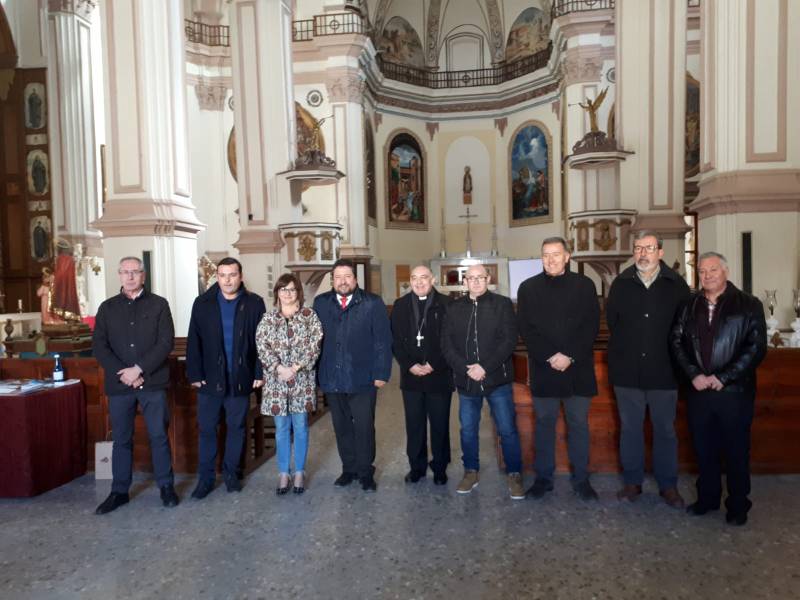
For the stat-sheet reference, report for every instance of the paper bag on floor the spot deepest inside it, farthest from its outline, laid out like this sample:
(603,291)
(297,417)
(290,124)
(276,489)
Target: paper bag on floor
(102,460)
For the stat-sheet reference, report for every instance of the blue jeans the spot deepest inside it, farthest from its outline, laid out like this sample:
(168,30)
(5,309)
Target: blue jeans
(283,441)
(501,404)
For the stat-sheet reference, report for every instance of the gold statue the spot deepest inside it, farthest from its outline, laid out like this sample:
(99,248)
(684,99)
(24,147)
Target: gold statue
(592,106)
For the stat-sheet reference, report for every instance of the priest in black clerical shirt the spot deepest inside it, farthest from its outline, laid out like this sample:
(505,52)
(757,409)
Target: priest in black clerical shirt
(425,380)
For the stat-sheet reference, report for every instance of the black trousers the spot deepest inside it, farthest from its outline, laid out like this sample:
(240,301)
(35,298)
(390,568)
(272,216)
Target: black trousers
(209,409)
(422,408)
(720,426)
(353,418)
(122,411)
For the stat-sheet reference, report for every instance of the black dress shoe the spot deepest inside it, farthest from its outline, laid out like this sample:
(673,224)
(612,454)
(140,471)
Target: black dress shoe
(539,488)
(280,491)
(233,485)
(440,478)
(698,509)
(168,496)
(113,502)
(368,484)
(585,491)
(298,489)
(345,479)
(203,489)
(413,476)
(737,519)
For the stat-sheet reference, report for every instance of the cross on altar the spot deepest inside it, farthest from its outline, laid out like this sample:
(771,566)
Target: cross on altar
(468,216)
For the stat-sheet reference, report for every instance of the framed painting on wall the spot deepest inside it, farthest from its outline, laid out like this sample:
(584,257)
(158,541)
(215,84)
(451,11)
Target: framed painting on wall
(530,176)
(405,184)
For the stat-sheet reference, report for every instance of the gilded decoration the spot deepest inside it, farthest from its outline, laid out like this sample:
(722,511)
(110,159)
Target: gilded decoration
(582,236)
(306,247)
(326,246)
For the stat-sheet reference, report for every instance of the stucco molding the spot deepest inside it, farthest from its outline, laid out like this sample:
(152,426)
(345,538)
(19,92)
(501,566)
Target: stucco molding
(259,241)
(767,190)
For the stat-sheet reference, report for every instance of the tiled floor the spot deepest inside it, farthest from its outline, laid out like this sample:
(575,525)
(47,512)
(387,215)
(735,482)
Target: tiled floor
(406,541)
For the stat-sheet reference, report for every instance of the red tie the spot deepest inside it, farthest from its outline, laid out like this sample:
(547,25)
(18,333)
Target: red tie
(344,302)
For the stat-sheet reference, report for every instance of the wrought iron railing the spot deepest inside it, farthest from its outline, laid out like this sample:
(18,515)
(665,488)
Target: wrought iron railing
(564,7)
(469,78)
(328,24)
(208,35)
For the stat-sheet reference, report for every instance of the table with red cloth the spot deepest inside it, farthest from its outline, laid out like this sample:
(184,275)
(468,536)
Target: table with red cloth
(42,439)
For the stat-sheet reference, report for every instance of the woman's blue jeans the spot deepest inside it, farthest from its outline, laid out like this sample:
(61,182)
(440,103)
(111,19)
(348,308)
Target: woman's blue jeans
(283,441)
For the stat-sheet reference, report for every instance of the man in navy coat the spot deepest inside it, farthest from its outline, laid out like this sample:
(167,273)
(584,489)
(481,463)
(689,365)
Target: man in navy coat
(356,361)
(222,363)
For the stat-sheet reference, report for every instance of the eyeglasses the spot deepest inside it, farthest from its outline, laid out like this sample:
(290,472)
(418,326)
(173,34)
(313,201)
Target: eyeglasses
(135,273)
(642,249)
(287,290)
(474,278)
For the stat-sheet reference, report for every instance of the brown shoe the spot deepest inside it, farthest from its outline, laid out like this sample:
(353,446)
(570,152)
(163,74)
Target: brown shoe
(468,483)
(673,498)
(629,493)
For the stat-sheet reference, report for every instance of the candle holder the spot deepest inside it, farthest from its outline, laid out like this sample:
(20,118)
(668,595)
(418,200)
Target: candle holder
(771,297)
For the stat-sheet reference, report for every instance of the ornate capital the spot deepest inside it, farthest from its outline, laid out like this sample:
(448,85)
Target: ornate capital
(348,87)
(576,69)
(211,96)
(81,8)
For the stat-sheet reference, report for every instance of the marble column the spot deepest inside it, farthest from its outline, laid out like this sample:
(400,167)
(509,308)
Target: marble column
(749,159)
(651,114)
(149,205)
(266,146)
(73,149)
(345,92)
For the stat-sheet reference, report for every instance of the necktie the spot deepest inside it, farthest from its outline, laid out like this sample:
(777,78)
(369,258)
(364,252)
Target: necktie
(344,302)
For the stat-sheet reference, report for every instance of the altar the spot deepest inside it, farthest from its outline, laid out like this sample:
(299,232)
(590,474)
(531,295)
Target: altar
(450,271)
(18,325)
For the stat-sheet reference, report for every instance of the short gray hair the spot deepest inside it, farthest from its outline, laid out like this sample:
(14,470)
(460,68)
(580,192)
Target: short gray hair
(643,233)
(713,254)
(556,239)
(136,258)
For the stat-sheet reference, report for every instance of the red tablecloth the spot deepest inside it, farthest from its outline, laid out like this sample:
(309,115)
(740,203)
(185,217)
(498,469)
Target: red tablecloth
(42,440)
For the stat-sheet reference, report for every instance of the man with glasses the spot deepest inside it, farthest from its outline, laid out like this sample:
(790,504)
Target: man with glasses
(559,316)
(356,361)
(425,377)
(132,339)
(478,340)
(641,306)
(222,364)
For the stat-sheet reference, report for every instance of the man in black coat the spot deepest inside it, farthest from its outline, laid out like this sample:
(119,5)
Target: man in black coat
(479,337)
(132,339)
(559,317)
(425,377)
(718,339)
(222,363)
(641,307)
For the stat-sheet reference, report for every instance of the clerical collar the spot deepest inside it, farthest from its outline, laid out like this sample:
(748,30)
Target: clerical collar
(422,298)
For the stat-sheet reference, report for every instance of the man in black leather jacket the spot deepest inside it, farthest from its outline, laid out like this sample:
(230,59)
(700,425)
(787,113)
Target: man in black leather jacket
(478,339)
(718,339)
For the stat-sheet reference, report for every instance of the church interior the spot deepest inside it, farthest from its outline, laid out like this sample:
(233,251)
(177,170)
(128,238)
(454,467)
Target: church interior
(291,133)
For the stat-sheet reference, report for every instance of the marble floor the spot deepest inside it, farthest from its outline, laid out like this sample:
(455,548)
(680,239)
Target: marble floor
(407,541)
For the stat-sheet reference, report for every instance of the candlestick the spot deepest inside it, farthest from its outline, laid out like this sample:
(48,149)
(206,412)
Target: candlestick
(19,305)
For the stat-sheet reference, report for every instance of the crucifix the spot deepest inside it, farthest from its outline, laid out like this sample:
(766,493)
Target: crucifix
(420,337)
(468,216)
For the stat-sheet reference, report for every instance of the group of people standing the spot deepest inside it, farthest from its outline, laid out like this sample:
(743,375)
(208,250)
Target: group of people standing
(660,333)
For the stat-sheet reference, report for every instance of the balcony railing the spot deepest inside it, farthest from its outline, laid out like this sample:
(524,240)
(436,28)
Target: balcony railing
(328,24)
(564,7)
(469,78)
(208,35)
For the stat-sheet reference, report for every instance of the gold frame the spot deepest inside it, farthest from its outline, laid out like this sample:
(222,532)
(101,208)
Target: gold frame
(549,218)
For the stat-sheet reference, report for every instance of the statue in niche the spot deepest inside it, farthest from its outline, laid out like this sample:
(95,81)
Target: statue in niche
(38,177)
(65,302)
(45,294)
(34,110)
(592,106)
(467,186)
(40,240)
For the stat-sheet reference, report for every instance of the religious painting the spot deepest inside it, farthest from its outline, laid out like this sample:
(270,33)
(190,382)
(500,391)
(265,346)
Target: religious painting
(40,236)
(531,184)
(529,34)
(38,173)
(35,106)
(405,183)
(369,171)
(399,43)
(692,160)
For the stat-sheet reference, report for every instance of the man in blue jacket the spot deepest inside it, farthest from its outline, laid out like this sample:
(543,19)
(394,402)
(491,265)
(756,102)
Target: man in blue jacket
(222,363)
(356,360)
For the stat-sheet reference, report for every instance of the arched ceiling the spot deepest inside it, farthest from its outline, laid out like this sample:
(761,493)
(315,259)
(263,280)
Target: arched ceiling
(432,21)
